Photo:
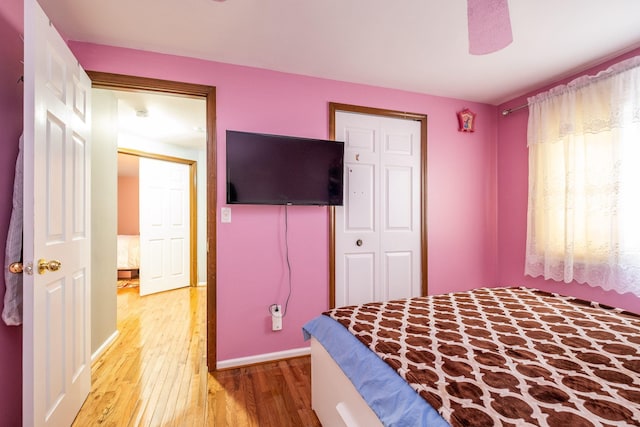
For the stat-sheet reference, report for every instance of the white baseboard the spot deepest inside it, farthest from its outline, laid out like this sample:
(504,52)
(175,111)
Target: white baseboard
(202,283)
(261,358)
(104,346)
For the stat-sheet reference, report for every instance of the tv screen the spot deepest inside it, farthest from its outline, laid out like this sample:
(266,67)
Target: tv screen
(277,170)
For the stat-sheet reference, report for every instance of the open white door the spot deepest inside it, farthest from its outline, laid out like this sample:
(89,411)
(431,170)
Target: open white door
(378,230)
(56,331)
(164,226)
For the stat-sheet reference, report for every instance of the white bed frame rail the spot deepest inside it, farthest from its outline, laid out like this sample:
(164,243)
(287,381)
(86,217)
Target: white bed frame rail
(335,400)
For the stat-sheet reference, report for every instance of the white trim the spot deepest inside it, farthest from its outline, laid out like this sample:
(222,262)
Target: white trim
(104,346)
(202,283)
(261,358)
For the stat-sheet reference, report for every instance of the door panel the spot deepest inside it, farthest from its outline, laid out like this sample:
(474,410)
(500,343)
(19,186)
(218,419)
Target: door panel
(400,207)
(54,141)
(164,225)
(398,280)
(79,288)
(155,259)
(360,206)
(55,306)
(80,179)
(399,203)
(56,345)
(380,221)
(360,268)
(178,260)
(362,139)
(399,143)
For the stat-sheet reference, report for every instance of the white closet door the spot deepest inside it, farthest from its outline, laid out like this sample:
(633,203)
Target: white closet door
(378,244)
(164,226)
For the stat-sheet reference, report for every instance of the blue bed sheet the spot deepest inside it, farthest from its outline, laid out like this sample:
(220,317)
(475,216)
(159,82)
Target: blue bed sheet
(390,397)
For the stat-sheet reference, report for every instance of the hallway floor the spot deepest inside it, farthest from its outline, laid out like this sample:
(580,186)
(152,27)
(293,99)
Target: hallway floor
(155,373)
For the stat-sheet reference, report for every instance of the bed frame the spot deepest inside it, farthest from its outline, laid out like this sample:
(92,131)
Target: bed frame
(335,400)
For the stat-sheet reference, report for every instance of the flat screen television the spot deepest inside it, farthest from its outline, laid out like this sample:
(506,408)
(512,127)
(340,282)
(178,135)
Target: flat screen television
(265,169)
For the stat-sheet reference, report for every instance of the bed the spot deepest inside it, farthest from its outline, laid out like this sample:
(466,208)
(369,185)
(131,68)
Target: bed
(490,356)
(128,257)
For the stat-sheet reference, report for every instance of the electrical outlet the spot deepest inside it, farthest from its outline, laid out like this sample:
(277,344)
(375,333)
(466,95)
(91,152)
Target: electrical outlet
(276,317)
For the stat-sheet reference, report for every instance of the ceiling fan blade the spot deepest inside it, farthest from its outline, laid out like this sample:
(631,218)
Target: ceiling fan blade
(489,26)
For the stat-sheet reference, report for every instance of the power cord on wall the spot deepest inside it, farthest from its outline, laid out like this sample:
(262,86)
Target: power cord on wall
(286,245)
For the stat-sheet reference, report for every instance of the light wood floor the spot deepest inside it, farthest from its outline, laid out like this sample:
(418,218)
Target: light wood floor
(155,373)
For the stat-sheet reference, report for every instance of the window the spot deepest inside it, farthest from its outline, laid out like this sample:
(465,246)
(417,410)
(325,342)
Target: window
(584,181)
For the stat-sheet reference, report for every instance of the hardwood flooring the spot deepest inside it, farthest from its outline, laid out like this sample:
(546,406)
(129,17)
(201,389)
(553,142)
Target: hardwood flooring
(155,373)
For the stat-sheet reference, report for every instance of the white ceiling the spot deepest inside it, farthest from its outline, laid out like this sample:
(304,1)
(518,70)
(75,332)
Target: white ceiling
(168,119)
(414,45)
(157,117)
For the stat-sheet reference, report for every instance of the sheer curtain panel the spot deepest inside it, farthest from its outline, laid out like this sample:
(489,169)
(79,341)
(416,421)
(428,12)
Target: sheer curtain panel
(583,220)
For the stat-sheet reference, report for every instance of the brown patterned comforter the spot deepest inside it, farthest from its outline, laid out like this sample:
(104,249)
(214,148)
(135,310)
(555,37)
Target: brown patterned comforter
(509,356)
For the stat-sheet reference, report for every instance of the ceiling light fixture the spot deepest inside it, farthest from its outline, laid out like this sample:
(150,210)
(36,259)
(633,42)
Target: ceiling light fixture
(489,26)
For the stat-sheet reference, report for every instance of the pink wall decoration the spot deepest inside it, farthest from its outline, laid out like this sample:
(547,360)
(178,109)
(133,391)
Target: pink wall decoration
(466,120)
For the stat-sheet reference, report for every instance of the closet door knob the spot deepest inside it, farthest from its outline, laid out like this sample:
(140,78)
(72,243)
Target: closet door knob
(359,242)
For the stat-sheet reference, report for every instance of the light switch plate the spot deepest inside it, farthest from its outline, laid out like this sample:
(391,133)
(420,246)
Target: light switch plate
(225,214)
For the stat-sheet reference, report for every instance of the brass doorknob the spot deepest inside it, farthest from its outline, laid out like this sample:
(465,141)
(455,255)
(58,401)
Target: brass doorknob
(19,268)
(53,265)
(16,267)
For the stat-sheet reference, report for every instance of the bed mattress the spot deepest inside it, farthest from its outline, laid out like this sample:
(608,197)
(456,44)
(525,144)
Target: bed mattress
(128,257)
(508,356)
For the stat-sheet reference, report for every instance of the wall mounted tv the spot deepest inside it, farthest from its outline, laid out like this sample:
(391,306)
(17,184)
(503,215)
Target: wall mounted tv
(265,169)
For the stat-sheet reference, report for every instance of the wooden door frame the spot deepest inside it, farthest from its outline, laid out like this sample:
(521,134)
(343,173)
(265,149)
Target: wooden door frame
(422,118)
(193,203)
(143,84)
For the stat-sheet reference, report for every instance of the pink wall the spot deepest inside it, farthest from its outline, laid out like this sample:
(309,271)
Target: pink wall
(251,270)
(11,125)
(128,205)
(512,207)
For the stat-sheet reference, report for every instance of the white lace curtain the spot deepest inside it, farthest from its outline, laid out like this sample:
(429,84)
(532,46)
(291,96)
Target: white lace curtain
(583,219)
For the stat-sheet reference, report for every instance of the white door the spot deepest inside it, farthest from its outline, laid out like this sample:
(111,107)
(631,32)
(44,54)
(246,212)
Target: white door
(378,230)
(57,311)
(164,226)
